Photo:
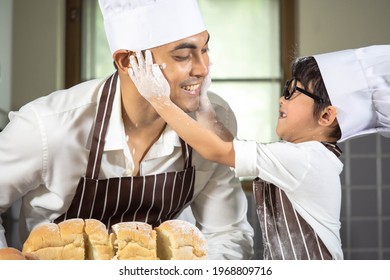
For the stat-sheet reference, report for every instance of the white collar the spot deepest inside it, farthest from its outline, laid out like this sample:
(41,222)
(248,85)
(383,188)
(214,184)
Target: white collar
(116,137)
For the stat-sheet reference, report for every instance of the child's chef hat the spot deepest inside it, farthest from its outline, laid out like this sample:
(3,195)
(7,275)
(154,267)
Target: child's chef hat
(358,84)
(143,24)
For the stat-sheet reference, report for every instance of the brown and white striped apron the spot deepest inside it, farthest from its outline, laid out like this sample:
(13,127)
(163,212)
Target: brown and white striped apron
(286,235)
(151,199)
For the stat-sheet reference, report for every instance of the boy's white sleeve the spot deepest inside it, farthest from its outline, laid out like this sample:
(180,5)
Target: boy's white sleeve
(281,163)
(246,158)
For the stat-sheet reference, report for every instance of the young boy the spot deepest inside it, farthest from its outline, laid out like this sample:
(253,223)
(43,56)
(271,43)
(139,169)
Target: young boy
(297,189)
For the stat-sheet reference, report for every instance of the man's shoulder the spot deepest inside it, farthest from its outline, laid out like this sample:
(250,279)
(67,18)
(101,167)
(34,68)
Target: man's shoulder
(81,92)
(78,96)
(87,85)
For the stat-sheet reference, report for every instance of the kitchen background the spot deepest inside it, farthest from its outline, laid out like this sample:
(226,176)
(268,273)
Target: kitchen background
(33,48)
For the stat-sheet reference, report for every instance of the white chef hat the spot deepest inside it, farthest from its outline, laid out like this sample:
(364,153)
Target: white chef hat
(358,84)
(143,24)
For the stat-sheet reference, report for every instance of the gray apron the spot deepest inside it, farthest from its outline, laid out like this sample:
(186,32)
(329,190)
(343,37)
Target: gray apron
(286,235)
(151,198)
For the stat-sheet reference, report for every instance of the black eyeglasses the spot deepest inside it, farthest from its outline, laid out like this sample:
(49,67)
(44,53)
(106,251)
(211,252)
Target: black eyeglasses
(291,87)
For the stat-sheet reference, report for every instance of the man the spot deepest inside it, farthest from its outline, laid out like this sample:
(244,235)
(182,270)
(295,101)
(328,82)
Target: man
(99,150)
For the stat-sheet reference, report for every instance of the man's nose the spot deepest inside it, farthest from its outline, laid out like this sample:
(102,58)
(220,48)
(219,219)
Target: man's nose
(200,67)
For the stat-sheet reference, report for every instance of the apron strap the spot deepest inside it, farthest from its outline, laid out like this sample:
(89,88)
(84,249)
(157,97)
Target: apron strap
(333,148)
(101,125)
(187,154)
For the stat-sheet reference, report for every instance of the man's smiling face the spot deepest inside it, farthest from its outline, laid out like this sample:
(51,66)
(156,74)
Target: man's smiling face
(186,64)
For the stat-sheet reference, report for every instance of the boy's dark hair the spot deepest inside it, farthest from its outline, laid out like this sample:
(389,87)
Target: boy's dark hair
(306,70)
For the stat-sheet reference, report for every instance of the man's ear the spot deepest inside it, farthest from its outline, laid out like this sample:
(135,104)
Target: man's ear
(122,59)
(328,116)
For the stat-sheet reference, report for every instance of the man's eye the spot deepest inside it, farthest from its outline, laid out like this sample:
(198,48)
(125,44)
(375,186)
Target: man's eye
(181,58)
(205,50)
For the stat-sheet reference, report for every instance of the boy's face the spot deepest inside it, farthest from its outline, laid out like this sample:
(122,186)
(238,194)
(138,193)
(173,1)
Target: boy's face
(296,122)
(186,64)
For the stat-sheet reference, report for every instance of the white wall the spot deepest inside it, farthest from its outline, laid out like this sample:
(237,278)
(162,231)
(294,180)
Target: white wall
(38,49)
(5,59)
(332,25)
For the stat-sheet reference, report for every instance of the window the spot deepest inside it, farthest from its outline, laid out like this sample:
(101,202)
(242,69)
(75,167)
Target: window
(245,51)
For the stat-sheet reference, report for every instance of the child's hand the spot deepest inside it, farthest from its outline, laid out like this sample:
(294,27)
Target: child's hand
(205,114)
(205,110)
(204,102)
(147,77)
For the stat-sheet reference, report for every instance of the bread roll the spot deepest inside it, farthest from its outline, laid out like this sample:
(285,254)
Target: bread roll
(72,234)
(180,240)
(134,241)
(97,241)
(63,241)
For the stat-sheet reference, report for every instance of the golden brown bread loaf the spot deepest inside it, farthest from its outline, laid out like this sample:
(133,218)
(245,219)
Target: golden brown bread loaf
(78,239)
(180,240)
(98,245)
(63,241)
(71,232)
(134,241)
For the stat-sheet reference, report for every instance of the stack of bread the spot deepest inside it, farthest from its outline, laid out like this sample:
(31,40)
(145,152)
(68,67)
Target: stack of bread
(78,239)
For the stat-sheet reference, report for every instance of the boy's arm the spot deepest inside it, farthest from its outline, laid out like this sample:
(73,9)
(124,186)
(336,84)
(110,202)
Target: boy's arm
(206,115)
(202,139)
(152,85)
